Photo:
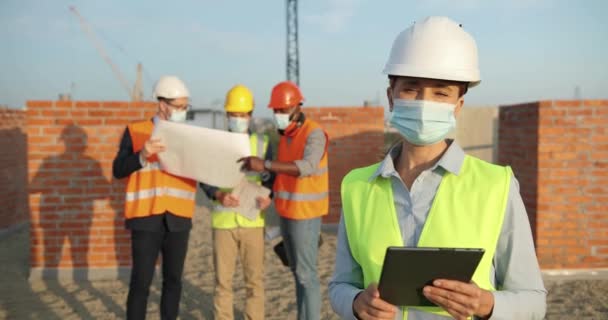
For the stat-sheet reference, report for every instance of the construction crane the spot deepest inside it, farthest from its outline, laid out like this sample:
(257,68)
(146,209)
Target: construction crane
(293,53)
(135,92)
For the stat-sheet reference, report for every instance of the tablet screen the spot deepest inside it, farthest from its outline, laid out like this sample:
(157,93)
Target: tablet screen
(407,270)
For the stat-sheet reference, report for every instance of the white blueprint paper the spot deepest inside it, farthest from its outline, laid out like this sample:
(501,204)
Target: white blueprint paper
(247,193)
(202,154)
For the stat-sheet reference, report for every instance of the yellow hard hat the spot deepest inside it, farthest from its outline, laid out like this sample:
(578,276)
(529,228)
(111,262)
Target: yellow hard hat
(239,99)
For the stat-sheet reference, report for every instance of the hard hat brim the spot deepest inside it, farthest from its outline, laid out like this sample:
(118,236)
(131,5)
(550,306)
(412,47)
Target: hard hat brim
(463,75)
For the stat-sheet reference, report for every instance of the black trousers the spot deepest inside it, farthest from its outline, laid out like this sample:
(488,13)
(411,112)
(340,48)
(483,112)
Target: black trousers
(145,247)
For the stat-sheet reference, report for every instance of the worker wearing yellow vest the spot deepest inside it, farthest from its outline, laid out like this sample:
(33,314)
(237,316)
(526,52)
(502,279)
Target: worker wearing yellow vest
(428,193)
(300,191)
(158,206)
(233,234)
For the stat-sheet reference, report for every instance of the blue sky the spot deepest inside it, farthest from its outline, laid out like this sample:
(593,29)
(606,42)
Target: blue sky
(529,49)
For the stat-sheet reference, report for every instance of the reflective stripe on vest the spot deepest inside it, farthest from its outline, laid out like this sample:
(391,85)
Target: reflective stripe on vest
(226,218)
(467,212)
(302,197)
(150,166)
(152,191)
(159,192)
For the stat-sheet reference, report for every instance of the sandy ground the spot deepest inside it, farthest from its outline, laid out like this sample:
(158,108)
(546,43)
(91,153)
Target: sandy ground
(21,299)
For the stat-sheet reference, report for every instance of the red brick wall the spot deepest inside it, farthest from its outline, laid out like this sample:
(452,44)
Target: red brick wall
(13,168)
(356,136)
(518,147)
(75,205)
(559,151)
(567,173)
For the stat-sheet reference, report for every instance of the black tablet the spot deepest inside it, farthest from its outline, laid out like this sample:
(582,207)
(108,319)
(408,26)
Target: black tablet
(407,270)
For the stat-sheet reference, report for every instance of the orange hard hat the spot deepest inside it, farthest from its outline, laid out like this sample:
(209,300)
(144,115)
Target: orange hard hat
(284,95)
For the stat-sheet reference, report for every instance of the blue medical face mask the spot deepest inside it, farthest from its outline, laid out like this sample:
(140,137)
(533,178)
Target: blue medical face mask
(423,122)
(177,113)
(178,116)
(282,120)
(238,124)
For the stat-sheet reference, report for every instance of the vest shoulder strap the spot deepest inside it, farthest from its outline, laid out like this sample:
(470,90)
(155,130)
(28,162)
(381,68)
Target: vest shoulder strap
(140,132)
(360,175)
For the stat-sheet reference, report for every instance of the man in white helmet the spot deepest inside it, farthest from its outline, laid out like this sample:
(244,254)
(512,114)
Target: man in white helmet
(158,205)
(428,193)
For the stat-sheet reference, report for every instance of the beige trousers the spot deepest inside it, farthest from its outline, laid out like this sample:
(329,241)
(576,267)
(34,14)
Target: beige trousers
(248,245)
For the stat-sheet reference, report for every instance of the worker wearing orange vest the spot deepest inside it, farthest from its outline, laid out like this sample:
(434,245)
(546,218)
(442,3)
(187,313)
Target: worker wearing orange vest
(235,235)
(158,205)
(300,191)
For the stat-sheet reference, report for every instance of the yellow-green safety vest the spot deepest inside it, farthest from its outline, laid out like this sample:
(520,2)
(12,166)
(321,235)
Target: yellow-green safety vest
(225,218)
(467,212)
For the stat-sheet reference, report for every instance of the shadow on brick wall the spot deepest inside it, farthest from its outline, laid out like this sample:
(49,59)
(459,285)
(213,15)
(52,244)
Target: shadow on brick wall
(13,174)
(68,184)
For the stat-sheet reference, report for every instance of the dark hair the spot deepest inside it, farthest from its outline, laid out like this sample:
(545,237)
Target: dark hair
(163,99)
(463,87)
(250,113)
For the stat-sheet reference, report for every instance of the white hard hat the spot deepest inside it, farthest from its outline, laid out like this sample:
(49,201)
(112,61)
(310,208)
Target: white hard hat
(170,87)
(435,48)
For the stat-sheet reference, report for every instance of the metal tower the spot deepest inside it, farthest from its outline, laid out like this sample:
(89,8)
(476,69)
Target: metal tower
(293,60)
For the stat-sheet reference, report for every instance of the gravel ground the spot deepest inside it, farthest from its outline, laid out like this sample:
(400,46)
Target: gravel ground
(21,299)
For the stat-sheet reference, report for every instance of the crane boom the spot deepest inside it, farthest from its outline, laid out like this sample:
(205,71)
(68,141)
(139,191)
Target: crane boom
(89,31)
(138,93)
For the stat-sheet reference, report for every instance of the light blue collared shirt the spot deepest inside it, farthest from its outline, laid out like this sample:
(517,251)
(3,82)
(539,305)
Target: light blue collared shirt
(515,272)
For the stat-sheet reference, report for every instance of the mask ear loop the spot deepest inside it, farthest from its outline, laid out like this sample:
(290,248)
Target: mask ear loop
(291,116)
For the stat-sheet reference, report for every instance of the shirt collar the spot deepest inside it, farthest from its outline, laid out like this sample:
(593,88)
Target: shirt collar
(451,160)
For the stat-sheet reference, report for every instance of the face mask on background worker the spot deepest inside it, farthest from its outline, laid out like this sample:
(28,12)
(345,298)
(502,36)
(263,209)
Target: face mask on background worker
(239,107)
(178,115)
(282,120)
(285,99)
(423,122)
(173,97)
(238,124)
(178,109)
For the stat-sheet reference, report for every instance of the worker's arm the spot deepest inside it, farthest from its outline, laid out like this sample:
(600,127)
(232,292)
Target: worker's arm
(226,199)
(209,190)
(126,161)
(288,168)
(521,293)
(268,178)
(316,146)
(347,280)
